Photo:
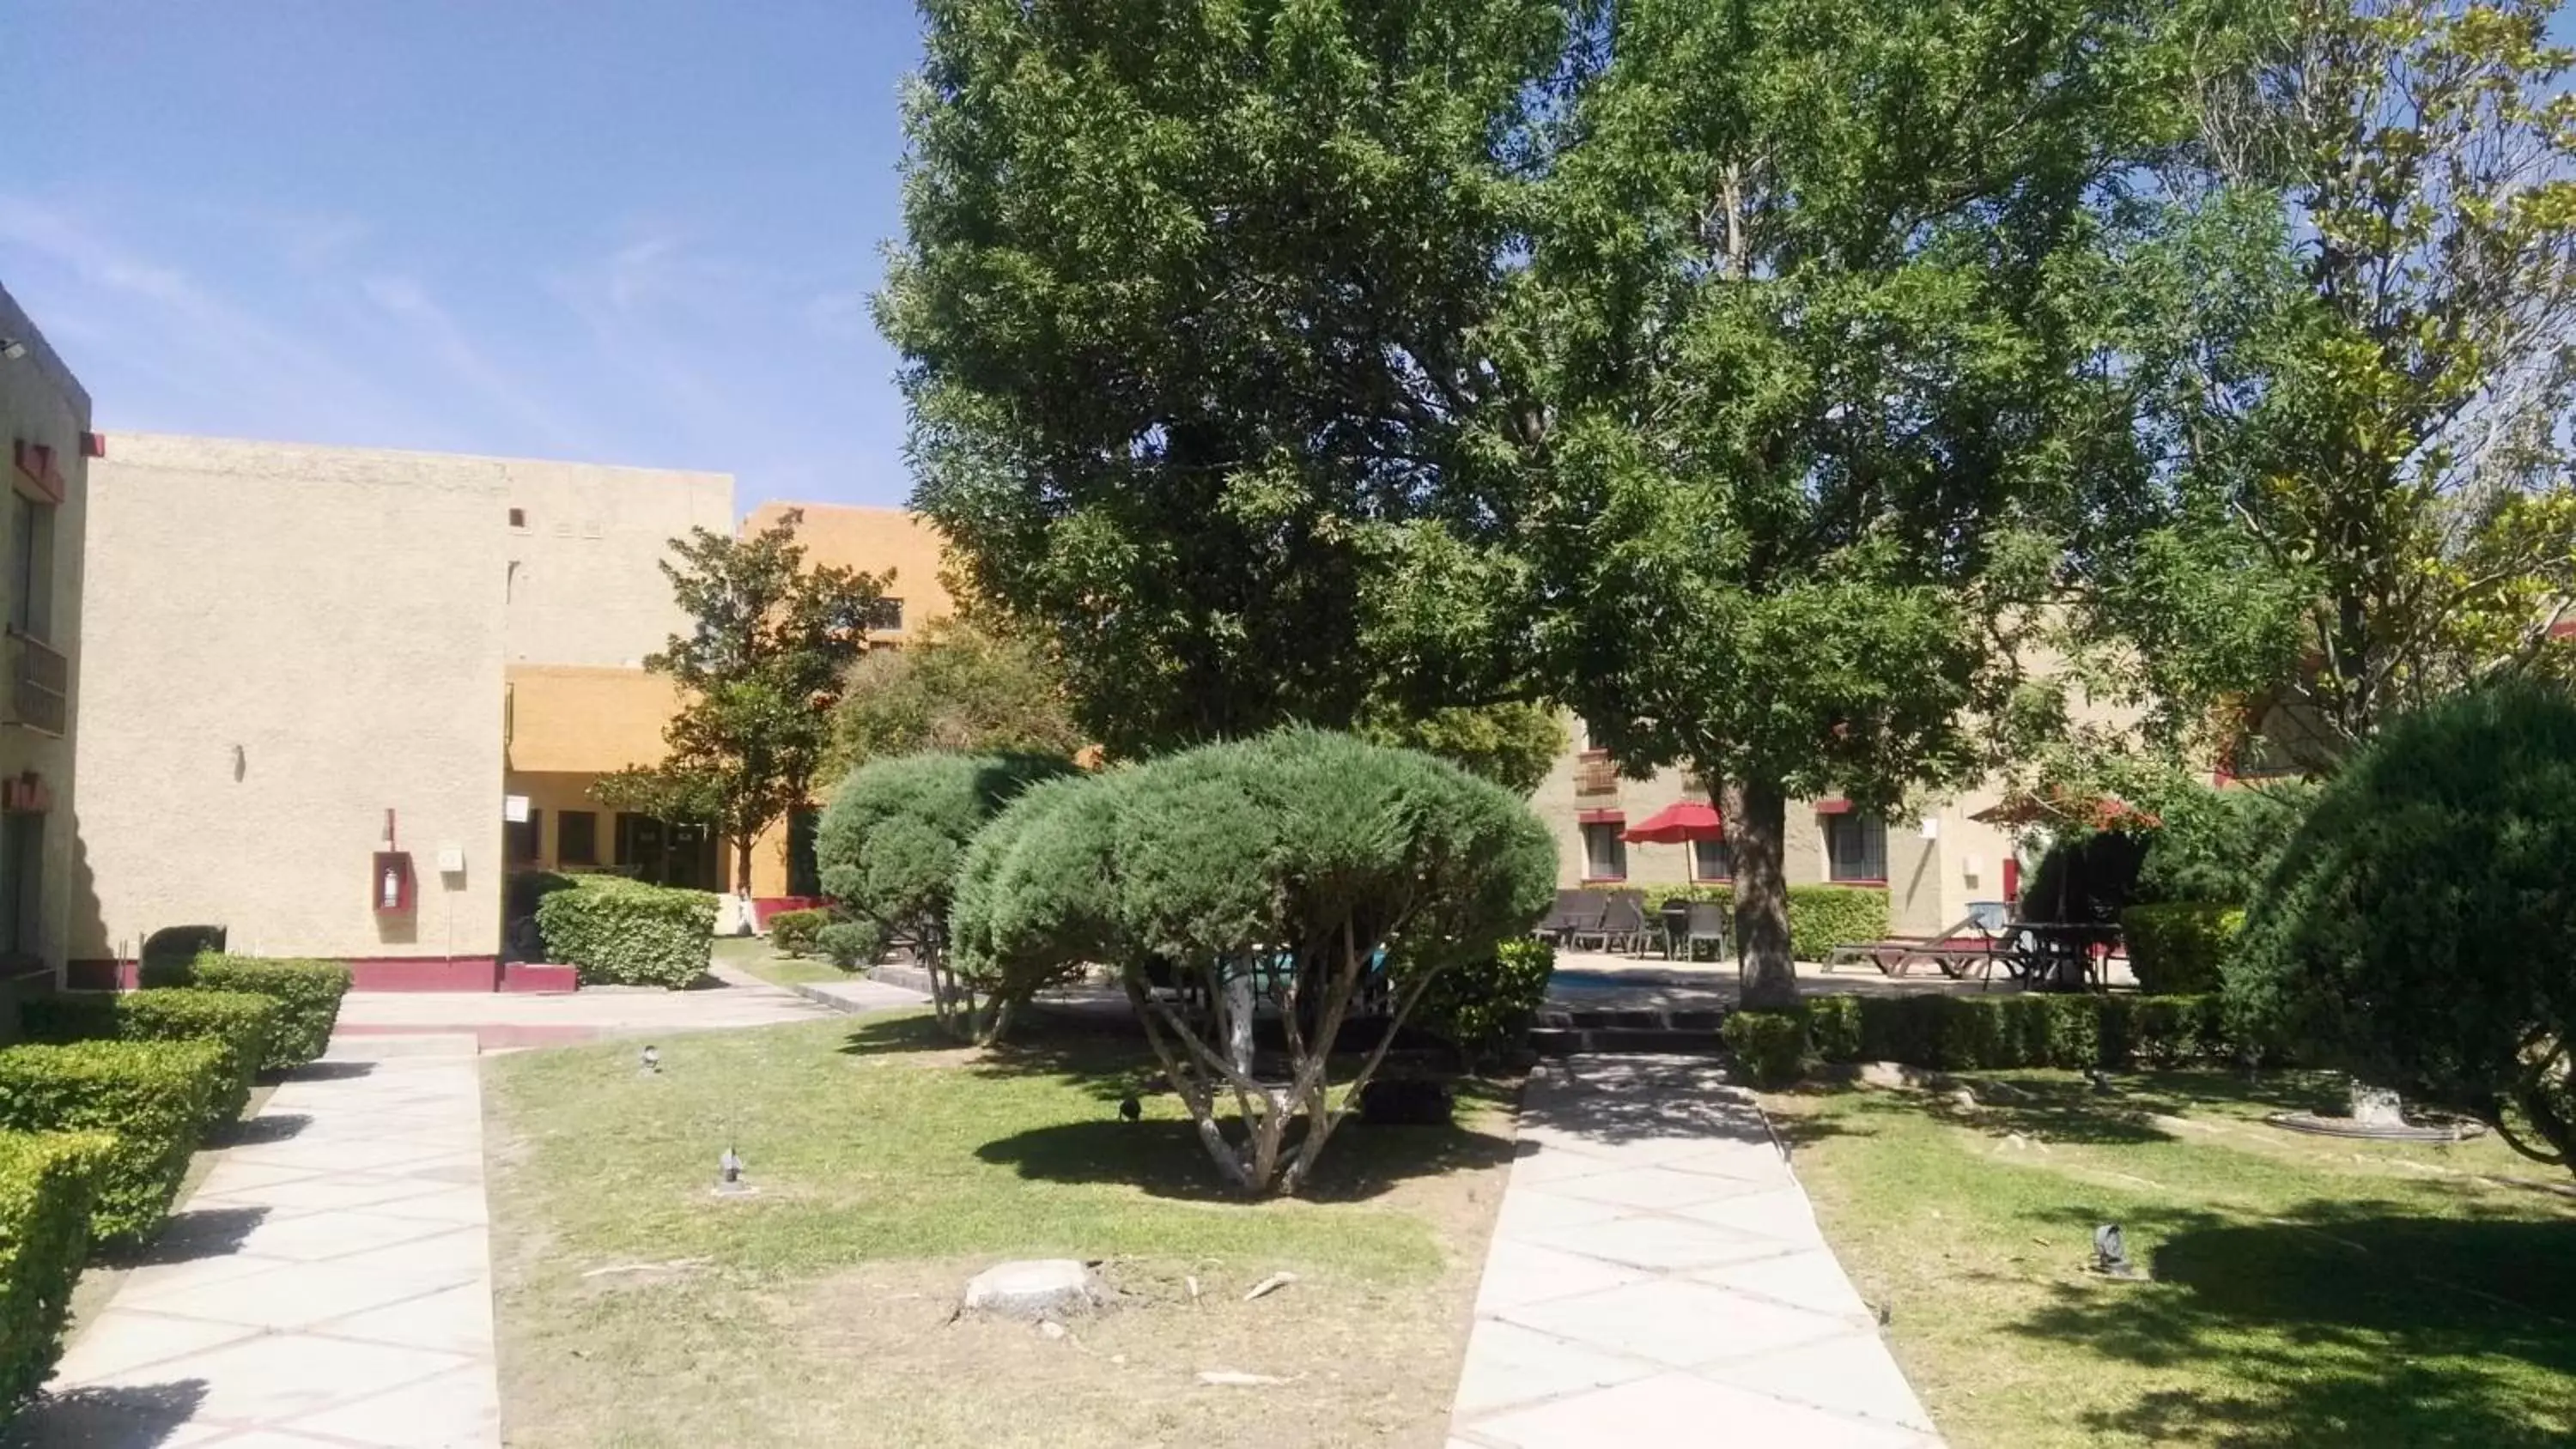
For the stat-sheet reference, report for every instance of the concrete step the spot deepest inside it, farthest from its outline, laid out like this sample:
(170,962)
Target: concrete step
(1550,1041)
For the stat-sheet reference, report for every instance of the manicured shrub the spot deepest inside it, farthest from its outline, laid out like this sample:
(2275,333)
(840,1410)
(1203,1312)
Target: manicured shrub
(307,994)
(850,944)
(792,932)
(527,889)
(1484,1007)
(170,949)
(1031,907)
(1821,917)
(2218,846)
(1833,1027)
(2418,930)
(240,1022)
(151,1095)
(1770,1046)
(1994,1033)
(618,932)
(2180,946)
(48,1183)
(891,843)
(2165,1031)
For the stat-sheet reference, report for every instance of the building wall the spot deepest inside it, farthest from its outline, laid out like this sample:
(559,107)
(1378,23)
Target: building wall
(285,642)
(41,403)
(586,545)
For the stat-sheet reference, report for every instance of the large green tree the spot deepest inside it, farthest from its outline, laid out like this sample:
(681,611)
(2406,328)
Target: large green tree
(1193,303)
(759,672)
(960,687)
(2358,319)
(1817,308)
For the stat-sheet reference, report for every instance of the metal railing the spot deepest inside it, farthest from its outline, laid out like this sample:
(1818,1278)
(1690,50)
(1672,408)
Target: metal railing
(39,685)
(1595,777)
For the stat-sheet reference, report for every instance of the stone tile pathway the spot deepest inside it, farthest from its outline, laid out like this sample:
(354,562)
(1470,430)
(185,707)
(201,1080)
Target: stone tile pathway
(1657,1280)
(328,1284)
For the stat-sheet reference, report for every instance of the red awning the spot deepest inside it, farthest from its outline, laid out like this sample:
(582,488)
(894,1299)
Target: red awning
(1689,820)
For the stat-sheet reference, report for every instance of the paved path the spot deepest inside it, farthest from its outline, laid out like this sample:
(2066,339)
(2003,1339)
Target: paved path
(1656,1280)
(330,1282)
(504,1020)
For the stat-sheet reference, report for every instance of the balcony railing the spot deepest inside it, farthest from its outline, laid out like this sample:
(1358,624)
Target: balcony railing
(1595,777)
(39,685)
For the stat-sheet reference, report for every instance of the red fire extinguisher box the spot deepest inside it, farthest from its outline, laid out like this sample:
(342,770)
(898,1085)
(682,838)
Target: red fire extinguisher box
(392,883)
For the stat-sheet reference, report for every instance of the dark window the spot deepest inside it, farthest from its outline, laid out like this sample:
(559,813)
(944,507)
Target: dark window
(1605,854)
(518,518)
(577,837)
(1709,861)
(639,844)
(22,875)
(886,614)
(31,554)
(804,877)
(526,839)
(1855,847)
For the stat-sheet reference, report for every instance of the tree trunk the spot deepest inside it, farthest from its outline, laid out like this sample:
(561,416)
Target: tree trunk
(1238,1018)
(742,865)
(1757,822)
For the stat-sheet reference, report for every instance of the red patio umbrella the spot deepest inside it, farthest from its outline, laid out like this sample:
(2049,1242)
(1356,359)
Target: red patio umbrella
(1674,824)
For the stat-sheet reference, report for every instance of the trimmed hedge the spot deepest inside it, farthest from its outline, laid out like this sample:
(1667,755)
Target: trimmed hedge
(307,994)
(792,932)
(240,1022)
(1821,917)
(1771,1046)
(1484,1007)
(47,1185)
(1990,1033)
(850,944)
(2181,947)
(618,932)
(151,1094)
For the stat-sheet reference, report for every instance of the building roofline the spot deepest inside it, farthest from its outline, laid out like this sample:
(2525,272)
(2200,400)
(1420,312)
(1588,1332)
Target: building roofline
(17,325)
(427,454)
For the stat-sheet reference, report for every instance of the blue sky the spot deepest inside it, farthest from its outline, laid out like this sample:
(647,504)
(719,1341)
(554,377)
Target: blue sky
(624,231)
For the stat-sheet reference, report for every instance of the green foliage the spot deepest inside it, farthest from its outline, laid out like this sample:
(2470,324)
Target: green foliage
(1991,1033)
(956,687)
(1033,903)
(2420,926)
(307,994)
(618,932)
(2217,846)
(1513,745)
(47,1184)
(1770,1046)
(240,1022)
(759,671)
(2180,947)
(170,949)
(1821,917)
(525,888)
(1191,303)
(850,944)
(2167,1031)
(792,932)
(1834,1027)
(1484,1006)
(151,1095)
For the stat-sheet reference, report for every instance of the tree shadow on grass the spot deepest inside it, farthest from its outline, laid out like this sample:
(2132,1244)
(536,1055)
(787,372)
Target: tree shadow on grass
(2346,1323)
(2066,1109)
(1166,1159)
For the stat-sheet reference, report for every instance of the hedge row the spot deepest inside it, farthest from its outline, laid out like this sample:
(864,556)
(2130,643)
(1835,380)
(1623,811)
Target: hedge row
(2181,946)
(1983,1033)
(619,932)
(307,994)
(47,1182)
(792,933)
(152,1095)
(1485,1007)
(1821,917)
(241,1023)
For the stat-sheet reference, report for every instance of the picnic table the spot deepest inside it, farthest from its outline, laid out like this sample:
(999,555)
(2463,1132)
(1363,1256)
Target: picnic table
(2060,955)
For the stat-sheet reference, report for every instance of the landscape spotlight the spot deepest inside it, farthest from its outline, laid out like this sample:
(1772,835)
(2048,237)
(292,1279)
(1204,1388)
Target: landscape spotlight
(12,349)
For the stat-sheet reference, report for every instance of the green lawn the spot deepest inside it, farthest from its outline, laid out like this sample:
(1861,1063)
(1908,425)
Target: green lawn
(891,1167)
(753,954)
(2306,1291)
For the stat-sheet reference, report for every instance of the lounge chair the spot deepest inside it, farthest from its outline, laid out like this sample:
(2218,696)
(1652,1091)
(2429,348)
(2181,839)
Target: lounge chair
(1970,944)
(1622,924)
(1577,914)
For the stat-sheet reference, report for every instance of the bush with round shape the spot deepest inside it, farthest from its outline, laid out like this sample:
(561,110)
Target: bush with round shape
(170,949)
(48,1182)
(150,1095)
(1485,1007)
(242,1023)
(617,932)
(2418,929)
(307,994)
(891,842)
(791,933)
(850,944)
(1770,1047)
(2217,846)
(1033,904)
(2180,947)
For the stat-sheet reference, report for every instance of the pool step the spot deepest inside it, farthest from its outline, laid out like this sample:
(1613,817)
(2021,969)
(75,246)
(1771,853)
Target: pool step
(1562,1032)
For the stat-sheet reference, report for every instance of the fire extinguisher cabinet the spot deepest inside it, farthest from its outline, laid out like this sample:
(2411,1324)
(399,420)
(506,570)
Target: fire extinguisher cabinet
(391,888)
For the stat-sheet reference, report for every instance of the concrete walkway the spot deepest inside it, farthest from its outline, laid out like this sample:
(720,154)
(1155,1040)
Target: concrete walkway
(329,1284)
(1656,1280)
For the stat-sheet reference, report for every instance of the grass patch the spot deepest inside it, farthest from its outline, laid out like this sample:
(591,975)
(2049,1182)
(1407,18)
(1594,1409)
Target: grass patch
(2306,1291)
(892,1166)
(754,954)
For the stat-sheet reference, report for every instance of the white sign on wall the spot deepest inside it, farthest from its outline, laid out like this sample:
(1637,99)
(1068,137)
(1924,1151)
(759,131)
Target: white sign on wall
(514,808)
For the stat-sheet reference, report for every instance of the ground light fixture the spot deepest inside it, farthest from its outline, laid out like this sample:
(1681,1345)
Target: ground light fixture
(729,1181)
(12,348)
(650,1063)
(2111,1253)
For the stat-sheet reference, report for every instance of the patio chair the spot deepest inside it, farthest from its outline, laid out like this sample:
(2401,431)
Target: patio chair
(1623,923)
(1967,945)
(1707,923)
(1577,914)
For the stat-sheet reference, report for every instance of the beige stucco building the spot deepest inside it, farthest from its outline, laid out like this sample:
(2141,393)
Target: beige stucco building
(46,416)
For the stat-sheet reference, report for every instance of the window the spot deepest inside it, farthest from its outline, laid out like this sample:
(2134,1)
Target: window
(1605,855)
(525,839)
(804,875)
(1709,861)
(22,873)
(577,837)
(31,565)
(886,614)
(519,519)
(1855,847)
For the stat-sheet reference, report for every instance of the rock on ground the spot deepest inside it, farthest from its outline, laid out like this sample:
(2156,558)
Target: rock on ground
(1033,1288)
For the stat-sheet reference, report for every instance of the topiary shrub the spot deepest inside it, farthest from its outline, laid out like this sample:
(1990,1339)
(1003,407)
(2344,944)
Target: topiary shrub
(618,932)
(791,933)
(240,1022)
(169,950)
(307,994)
(2180,947)
(1770,1046)
(2419,927)
(1030,910)
(48,1182)
(1484,1007)
(891,843)
(151,1095)
(1833,1027)
(1823,917)
(850,944)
